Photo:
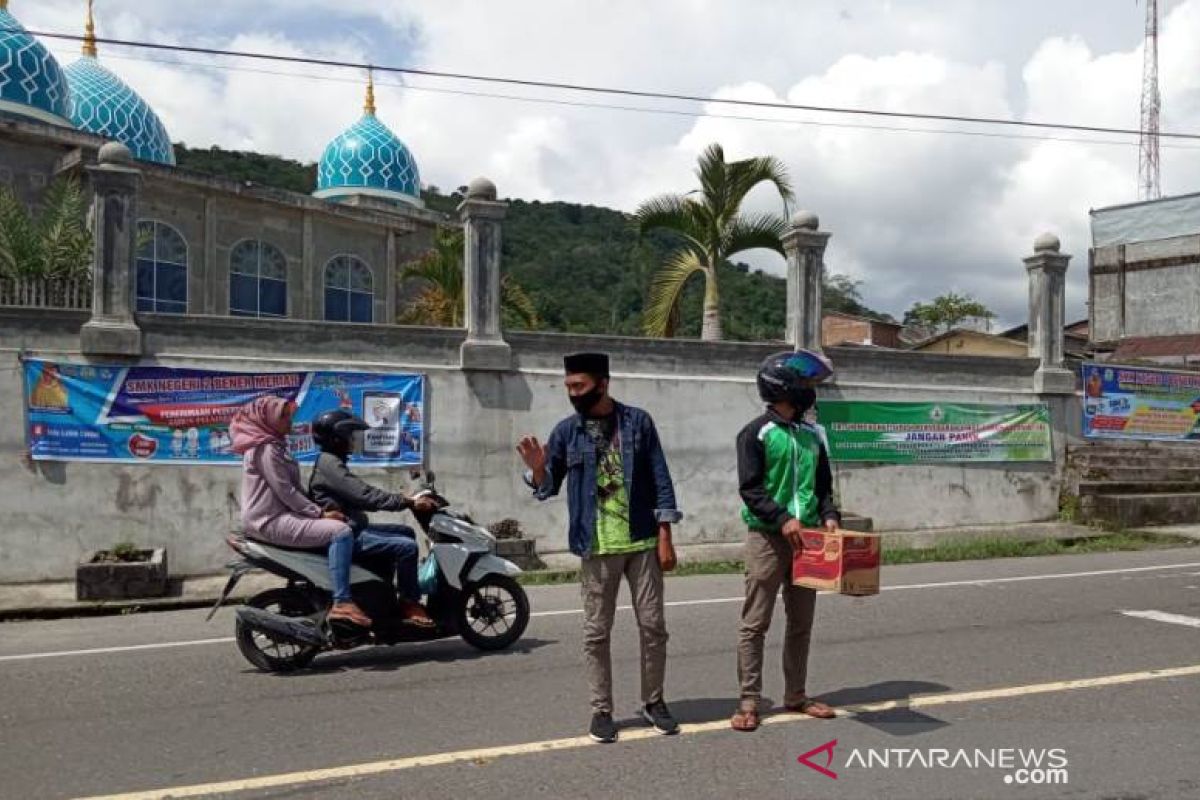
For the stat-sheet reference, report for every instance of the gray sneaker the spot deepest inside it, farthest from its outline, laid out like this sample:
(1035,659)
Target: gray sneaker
(603,729)
(658,715)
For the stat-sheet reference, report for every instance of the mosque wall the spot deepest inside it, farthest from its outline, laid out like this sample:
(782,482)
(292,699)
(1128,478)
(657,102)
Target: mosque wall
(699,393)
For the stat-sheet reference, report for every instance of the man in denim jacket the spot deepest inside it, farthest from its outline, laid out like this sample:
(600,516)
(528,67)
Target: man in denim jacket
(621,503)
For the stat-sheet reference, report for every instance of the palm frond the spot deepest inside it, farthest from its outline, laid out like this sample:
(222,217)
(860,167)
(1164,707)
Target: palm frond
(661,315)
(515,301)
(750,231)
(673,212)
(744,175)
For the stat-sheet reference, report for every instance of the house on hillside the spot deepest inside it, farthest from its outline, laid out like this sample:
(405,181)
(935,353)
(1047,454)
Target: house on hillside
(839,329)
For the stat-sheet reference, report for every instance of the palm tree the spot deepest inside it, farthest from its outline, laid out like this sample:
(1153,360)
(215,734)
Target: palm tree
(712,229)
(54,243)
(442,300)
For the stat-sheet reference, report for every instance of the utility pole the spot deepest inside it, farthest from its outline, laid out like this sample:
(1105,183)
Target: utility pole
(1149,185)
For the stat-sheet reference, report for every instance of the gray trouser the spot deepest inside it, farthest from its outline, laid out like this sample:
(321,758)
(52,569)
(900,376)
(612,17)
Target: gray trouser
(601,580)
(768,567)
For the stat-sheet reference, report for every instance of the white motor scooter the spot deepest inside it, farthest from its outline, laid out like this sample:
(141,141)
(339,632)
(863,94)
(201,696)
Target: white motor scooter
(469,592)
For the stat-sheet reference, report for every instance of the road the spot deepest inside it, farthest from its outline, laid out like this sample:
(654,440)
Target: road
(1018,654)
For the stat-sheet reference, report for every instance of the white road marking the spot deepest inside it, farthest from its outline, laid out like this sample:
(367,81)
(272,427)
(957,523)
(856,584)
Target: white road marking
(673,604)
(1163,616)
(486,754)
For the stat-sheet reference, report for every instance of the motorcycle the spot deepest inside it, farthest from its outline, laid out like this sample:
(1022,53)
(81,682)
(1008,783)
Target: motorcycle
(469,592)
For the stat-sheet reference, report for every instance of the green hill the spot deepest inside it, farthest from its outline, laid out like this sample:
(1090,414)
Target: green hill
(584,266)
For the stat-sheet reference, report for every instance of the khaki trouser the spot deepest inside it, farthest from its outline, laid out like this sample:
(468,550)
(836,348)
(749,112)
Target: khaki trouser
(601,580)
(769,566)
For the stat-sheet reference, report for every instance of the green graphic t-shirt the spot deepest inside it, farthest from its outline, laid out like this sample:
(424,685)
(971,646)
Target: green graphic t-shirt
(612,501)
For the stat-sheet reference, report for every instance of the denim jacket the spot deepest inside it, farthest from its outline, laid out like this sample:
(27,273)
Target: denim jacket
(571,455)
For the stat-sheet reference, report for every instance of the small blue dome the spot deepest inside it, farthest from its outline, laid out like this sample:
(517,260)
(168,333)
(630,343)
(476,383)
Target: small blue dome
(368,159)
(103,104)
(31,82)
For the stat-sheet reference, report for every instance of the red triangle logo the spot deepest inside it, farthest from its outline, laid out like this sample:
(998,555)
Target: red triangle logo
(827,749)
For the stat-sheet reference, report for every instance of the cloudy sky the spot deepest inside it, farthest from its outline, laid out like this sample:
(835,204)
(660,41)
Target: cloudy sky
(912,214)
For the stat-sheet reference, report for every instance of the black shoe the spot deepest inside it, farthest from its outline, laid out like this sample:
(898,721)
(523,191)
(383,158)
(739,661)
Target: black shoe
(658,715)
(603,729)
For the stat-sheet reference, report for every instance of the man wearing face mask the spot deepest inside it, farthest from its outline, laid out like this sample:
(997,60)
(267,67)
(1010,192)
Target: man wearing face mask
(622,504)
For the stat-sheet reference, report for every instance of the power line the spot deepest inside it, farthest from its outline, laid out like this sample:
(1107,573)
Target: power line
(643,109)
(570,87)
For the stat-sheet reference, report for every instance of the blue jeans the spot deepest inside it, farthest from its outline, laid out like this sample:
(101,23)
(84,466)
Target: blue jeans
(341,553)
(391,550)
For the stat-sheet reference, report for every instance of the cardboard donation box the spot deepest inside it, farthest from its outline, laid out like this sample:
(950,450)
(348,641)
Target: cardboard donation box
(839,561)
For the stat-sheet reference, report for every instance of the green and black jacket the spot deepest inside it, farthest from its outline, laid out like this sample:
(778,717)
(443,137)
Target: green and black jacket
(783,473)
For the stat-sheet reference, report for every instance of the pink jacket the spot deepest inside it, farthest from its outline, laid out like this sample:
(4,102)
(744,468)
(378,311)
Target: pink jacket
(271,487)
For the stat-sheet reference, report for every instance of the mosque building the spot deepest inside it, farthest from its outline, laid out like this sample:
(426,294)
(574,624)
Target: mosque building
(215,246)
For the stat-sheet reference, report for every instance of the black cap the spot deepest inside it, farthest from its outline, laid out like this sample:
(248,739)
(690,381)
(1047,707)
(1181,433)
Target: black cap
(591,363)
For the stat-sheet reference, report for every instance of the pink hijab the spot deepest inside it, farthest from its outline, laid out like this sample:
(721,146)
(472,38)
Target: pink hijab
(258,422)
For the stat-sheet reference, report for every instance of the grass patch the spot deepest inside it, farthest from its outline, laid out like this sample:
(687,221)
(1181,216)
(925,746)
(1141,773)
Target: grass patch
(953,550)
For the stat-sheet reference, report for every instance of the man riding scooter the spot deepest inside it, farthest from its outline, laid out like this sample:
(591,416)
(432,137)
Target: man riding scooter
(390,550)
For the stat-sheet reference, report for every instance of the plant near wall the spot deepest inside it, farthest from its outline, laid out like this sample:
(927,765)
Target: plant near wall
(710,228)
(442,298)
(54,241)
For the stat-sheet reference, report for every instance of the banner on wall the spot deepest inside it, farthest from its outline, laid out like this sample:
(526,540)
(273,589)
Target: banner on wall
(906,433)
(89,412)
(1136,403)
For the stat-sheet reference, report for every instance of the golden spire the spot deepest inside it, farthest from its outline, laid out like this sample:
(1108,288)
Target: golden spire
(89,36)
(369,106)
(3,5)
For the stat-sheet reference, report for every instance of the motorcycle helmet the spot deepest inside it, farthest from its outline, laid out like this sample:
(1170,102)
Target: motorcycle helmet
(333,431)
(791,376)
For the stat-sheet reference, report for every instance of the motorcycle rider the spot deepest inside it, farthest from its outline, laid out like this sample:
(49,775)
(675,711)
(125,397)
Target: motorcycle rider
(333,486)
(274,508)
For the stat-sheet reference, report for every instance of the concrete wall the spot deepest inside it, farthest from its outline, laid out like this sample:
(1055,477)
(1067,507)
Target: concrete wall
(1149,288)
(700,395)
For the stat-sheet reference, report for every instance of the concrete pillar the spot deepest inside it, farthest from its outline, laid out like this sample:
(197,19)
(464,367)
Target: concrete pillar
(482,214)
(804,245)
(1047,269)
(112,330)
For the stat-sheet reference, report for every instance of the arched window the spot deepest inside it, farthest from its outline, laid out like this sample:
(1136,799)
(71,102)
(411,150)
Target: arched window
(257,280)
(162,266)
(349,290)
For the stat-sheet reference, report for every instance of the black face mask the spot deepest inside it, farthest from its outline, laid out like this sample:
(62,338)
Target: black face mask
(585,402)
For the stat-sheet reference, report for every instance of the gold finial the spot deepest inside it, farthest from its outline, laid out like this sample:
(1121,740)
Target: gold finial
(3,5)
(369,106)
(89,36)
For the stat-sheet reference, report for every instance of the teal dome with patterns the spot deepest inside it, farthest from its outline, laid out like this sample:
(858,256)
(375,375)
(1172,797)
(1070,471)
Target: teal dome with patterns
(368,159)
(32,84)
(103,104)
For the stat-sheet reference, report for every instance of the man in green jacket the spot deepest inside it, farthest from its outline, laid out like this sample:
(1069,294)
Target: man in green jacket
(786,483)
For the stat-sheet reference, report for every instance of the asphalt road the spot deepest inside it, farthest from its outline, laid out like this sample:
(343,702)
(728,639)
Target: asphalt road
(985,661)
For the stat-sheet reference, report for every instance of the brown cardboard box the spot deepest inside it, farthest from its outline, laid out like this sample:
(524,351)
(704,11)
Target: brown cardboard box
(839,561)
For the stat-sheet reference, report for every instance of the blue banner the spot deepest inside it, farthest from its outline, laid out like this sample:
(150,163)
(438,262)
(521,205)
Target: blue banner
(1136,403)
(89,412)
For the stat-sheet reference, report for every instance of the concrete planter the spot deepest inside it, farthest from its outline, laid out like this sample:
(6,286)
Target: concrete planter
(122,580)
(522,552)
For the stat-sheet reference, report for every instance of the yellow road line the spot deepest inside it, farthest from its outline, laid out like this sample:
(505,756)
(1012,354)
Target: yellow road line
(485,754)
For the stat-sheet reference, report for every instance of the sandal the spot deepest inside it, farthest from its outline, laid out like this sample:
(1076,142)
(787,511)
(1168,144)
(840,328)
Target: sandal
(745,719)
(414,614)
(813,708)
(349,612)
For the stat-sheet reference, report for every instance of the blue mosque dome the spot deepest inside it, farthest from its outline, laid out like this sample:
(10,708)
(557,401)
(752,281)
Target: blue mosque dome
(368,159)
(103,104)
(31,82)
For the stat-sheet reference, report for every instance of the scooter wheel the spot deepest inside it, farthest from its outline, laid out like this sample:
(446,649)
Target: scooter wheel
(265,652)
(494,612)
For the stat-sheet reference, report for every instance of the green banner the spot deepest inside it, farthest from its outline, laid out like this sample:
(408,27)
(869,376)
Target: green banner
(907,433)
